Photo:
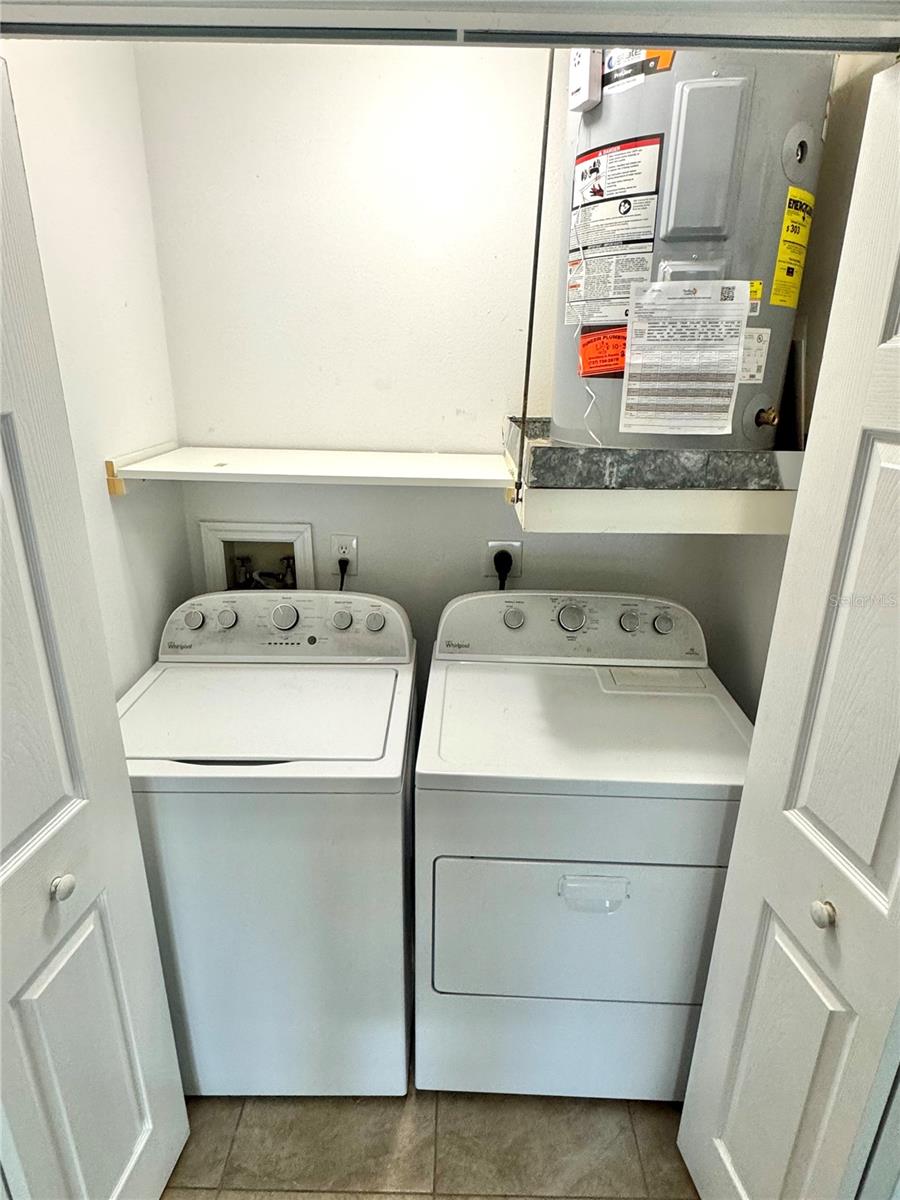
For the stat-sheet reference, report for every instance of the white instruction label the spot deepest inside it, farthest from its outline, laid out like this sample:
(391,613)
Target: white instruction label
(613,221)
(683,356)
(631,219)
(599,283)
(754,354)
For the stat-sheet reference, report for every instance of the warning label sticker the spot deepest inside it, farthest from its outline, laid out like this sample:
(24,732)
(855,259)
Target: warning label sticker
(602,352)
(619,169)
(633,218)
(599,283)
(623,67)
(795,229)
(613,222)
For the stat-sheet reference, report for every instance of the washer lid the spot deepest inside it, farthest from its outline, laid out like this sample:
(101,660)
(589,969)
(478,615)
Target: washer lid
(550,727)
(238,713)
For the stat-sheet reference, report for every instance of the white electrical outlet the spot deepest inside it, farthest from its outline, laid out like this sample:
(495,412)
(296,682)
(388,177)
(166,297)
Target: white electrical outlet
(343,545)
(514,548)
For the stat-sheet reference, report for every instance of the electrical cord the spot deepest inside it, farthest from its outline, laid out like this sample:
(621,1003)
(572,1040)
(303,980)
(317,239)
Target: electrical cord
(343,564)
(503,565)
(580,325)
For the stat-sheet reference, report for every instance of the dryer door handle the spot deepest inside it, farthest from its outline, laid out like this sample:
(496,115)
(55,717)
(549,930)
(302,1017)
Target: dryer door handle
(594,893)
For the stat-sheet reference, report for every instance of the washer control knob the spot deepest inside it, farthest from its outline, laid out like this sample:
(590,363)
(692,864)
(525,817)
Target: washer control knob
(663,622)
(374,622)
(514,618)
(342,619)
(194,618)
(571,617)
(227,618)
(630,620)
(285,616)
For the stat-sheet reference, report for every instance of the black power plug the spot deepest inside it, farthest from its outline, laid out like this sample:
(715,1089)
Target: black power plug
(503,564)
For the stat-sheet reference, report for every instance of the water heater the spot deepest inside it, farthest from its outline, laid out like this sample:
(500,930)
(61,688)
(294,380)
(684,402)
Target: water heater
(696,166)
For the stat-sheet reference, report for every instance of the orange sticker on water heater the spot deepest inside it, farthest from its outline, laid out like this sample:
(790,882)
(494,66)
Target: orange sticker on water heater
(602,352)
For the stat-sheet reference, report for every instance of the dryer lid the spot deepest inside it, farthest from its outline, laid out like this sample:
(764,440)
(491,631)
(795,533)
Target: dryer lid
(242,713)
(582,729)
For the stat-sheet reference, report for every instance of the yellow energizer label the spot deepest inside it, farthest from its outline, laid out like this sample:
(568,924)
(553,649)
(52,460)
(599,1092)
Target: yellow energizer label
(798,215)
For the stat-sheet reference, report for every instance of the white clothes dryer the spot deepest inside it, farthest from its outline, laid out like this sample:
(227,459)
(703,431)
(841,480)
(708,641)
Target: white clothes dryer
(269,754)
(577,785)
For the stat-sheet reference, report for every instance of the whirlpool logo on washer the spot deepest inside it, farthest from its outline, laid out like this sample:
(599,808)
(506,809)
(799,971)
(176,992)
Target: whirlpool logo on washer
(449,645)
(179,645)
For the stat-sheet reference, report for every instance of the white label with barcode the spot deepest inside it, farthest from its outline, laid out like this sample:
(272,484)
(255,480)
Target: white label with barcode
(683,356)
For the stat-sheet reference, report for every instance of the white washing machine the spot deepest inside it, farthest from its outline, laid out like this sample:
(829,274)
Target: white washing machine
(269,752)
(577,785)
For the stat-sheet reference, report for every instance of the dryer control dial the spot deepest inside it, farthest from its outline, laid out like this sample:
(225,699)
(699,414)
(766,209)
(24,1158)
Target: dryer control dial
(571,617)
(285,616)
(194,618)
(514,618)
(664,622)
(227,618)
(342,619)
(630,620)
(375,622)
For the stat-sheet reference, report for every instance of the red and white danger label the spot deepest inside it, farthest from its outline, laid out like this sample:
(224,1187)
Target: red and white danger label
(613,223)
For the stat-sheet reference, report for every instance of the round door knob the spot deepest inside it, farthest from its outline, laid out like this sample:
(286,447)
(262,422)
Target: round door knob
(227,618)
(194,618)
(375,622)
(571,617)
(285,616)
(342,619)
(630,621)
(514,618)
(62,887)
(663,622)
(823,913)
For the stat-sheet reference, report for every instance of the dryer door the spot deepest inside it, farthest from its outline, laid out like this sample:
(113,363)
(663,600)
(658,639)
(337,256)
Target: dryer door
(574,930)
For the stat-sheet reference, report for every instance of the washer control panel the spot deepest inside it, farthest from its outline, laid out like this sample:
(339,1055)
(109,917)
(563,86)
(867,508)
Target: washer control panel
(591,627)
(259,626)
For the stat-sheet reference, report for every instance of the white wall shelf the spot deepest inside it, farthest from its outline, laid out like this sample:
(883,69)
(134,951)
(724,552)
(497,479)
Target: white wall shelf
(368,467)
(541,510)
(632,510)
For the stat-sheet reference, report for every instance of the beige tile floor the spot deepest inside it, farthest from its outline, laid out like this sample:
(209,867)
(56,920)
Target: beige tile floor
(446,1144)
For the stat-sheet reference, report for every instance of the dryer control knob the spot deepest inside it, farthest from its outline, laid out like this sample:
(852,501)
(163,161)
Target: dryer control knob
(514,618)
(194,618)
(375,622)
(630,621)
(342,619)
(227,618)
(571,617)
(285,616)
(664,622)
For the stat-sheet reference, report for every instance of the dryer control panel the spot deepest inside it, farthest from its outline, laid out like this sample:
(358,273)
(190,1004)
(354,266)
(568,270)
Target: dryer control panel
(587,627)
(289,626)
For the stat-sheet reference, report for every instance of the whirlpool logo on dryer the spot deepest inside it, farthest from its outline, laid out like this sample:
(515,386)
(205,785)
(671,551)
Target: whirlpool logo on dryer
(450,645)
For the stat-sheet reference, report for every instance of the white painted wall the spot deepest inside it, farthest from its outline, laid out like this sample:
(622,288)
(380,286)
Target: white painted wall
(345,239)
(423,546)
(262,159)
(345,242)
(79,123)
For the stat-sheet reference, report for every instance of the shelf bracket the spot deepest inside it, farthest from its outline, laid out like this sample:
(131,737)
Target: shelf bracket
(116,485)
